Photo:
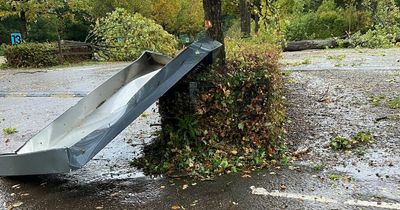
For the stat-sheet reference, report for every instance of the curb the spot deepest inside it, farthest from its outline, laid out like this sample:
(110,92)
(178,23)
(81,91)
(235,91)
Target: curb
(35,94)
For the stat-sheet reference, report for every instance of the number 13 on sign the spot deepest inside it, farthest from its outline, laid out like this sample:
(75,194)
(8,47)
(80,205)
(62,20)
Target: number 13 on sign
(16,38)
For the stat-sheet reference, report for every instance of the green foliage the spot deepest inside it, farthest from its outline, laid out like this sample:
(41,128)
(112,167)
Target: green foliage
(2,49)
(45,18)
(362,137)
(190,18)
(328,18)
(234,32)
(385,13)
(45,29)
(394,103)
(327,21)
(127,36)
(8,25)
(376,100)
(31,55)
(175,16)
(98,8)
(378,38)
(76,30)
(186,133)
(9,131)
(334,177)
(381,99)
(341,143)
(233,121)
(318,166)
(165,13)
(179,16)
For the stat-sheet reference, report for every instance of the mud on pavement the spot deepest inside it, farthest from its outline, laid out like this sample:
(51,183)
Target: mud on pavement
(328,93)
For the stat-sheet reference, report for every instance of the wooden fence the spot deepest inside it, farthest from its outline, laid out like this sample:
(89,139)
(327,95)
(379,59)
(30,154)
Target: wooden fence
(74,50)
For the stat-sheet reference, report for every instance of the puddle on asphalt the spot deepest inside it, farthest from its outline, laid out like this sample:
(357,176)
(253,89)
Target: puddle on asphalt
(374,165)
(108,169)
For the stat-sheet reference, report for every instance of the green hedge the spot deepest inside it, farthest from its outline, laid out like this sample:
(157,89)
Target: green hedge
(222,120)
(34,55)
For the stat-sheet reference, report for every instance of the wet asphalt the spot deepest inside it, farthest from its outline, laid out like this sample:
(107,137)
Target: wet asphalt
(326,92)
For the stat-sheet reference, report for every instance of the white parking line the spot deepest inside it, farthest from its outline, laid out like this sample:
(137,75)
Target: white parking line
(321,199)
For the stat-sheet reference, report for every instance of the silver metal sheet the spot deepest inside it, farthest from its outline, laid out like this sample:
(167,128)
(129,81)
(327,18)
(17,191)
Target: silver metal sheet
(75,137)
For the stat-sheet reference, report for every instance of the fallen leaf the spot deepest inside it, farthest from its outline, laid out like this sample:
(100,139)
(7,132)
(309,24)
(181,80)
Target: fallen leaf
(301,151)
(271,151)
(346,179)
(258,191)
(114,194)
(15,205)
(194,203)
(246,176)
(99,207)
(175,207)
(326,100)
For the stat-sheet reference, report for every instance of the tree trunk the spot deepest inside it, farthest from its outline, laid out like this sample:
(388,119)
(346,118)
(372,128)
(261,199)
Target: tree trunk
(24,29)
(245,18)
(256,15)
(256,23)
(310,44)
(213,19)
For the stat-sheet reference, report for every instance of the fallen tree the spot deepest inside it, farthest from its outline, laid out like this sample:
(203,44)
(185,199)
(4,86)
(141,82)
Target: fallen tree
(311,44)
(321,44)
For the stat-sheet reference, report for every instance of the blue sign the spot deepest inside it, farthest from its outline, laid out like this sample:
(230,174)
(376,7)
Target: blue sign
(184,38)
(16,38)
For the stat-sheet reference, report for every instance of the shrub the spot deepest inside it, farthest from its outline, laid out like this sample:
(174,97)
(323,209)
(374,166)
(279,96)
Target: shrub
(44,29)
(126,36)
(328,21)
(2,48)
(31,55)
(316,26)
(221,120)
